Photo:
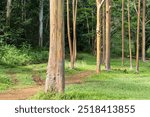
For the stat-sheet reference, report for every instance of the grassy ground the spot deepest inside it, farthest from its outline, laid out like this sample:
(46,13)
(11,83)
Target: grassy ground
(12,77)
(119,83)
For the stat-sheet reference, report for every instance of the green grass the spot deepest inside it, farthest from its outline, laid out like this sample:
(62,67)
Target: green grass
(119,83)
(24,74)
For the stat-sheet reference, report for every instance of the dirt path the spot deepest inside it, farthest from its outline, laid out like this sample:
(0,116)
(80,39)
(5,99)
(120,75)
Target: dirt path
(25,93)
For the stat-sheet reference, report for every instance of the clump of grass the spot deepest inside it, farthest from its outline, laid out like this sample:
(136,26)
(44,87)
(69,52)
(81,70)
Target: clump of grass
(55,96)
(5,82)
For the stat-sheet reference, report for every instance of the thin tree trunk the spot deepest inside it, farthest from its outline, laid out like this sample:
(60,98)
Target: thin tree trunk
(74,12)
(129,33)
(75,33)
(123,3)
(143,32)
(55,71)
(107,64)
(88,26)
(104,44)
(98,36)
(22,9)
(93,39)
(8,12)
(69,37)
(25,13)
(137,41)
(41,24)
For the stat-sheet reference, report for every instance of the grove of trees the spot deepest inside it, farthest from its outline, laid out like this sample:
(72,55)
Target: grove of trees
(105,28)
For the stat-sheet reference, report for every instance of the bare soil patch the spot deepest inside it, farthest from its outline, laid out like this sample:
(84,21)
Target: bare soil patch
(25,93)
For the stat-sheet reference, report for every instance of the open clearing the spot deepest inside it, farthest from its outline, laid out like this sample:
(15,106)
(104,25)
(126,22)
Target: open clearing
(27,82)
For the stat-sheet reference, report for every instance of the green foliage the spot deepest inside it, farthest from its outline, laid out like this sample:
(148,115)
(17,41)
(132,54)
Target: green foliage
(11,55)
(5,82)
(148,52)
(24,25)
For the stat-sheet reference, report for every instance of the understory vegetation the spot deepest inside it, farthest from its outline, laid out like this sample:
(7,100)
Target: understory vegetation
(11,55)
(119,83)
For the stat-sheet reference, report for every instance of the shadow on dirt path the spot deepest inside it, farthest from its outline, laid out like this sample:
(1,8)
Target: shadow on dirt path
(25,93)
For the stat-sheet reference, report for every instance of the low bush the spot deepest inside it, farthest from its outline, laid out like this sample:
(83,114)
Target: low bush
(11,55)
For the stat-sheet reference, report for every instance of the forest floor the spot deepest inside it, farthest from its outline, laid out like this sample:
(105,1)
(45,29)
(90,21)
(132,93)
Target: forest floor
(27,82)
(25,93)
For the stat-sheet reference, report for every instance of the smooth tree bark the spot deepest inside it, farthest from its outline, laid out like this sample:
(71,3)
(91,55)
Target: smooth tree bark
(93,36)
(8,11)
(98,36)
(123,32)
(60,78)
(143,31)
(129,34)
(69,37)
(104,41)
(138,35)
(99,4)
(41,24)
(74,13)
(72,43)
(107,64)
(55,70)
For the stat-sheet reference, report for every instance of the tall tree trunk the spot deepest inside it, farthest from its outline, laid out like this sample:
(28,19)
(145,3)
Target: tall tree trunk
(123,3)
(60,78)
(98,36)
(8,12)
(143,32)
(74,12)
(129,33)
(22,9)
(107,64)
(138,34)
(88,26)
(93,39)
(104,44)
(69,37)
(41,24)
(55,70)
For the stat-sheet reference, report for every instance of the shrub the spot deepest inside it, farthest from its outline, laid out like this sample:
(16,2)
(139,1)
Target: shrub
(11,55)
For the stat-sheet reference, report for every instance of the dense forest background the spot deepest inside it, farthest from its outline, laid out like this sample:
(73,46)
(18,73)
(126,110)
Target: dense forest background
(19,41)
